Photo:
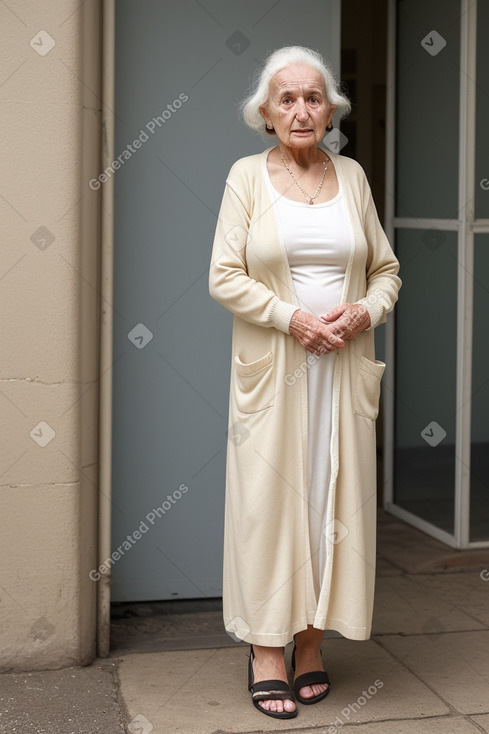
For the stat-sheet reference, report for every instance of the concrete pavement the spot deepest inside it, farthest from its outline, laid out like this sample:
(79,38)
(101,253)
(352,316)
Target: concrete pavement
(424,671)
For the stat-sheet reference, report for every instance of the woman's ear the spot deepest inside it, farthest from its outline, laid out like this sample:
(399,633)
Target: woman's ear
(264,112)
(332,110)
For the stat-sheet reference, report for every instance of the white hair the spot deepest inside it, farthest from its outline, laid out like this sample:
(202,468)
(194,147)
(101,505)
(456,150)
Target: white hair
(278,60)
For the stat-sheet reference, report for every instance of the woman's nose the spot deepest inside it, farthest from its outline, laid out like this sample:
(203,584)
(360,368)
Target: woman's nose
(301,113)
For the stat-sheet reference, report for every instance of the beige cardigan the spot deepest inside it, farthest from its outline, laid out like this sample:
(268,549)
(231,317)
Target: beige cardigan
(268,592)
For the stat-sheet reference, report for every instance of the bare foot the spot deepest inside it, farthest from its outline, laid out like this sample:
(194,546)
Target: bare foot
(308,658)
(268,664)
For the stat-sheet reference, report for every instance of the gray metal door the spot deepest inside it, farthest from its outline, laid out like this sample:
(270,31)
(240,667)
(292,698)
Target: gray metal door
(181,68)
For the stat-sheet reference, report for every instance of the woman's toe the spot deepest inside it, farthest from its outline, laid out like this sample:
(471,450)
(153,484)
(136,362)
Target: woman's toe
(278,706)
(307,692)
(312,691)
(274,705)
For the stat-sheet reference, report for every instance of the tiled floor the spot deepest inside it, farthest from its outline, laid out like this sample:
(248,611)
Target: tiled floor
(425,670)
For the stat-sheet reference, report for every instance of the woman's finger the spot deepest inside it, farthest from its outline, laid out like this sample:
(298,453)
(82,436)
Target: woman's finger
(335,313)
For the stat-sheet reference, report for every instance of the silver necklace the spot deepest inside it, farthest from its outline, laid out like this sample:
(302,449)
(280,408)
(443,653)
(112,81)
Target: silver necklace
(310,199)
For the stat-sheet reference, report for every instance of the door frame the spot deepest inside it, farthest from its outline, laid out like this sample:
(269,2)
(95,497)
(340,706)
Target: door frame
(106,327)
(466,226)
(104,534)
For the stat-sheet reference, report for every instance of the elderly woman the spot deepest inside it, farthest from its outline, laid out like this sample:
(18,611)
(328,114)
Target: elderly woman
(301,260)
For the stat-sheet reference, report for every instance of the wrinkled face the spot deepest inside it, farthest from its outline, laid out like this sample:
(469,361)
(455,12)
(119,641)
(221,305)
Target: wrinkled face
(297,106)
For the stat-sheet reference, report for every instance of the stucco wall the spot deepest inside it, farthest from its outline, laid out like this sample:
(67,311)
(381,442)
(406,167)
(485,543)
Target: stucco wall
(49,304)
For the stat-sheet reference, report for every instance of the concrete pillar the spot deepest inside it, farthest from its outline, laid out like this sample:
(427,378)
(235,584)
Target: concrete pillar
(50,93)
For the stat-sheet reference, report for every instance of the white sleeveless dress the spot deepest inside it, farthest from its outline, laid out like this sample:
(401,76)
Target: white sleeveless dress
(318,241)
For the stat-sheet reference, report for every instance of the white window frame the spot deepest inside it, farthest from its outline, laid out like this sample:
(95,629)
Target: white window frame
(466,226)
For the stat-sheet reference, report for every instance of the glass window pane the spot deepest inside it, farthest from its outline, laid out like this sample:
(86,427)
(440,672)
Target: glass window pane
(427,108)
(426,340)
(479,474)
(482,113)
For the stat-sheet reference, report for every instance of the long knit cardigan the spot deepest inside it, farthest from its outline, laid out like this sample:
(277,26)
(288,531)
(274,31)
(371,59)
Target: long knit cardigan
(268,591)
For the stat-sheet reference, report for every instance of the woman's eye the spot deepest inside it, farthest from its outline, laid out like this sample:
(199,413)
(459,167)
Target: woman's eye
(314,100)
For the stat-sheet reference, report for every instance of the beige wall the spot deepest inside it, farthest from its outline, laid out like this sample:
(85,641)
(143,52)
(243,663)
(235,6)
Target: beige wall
(49,301)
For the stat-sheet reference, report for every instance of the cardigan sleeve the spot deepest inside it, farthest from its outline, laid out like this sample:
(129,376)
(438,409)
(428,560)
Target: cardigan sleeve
(383,283)
(229,282)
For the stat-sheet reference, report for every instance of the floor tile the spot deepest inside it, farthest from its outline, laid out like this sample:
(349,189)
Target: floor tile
(205,691)
(413,605)
(415,552)
(482,721)
(384,568)
(438,725)
(453,665)
(469,591)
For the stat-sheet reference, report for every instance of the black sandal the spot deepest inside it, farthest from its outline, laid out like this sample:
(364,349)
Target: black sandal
(266,690)
(309,679)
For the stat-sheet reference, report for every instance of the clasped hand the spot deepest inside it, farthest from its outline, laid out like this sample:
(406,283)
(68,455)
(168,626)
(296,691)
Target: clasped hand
(330,331)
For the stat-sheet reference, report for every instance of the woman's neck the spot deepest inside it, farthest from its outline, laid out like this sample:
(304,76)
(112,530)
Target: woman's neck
(302,157)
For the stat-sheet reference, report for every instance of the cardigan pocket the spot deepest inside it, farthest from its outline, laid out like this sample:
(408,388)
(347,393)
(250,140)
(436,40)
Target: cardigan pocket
(254,384)
(367,388)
